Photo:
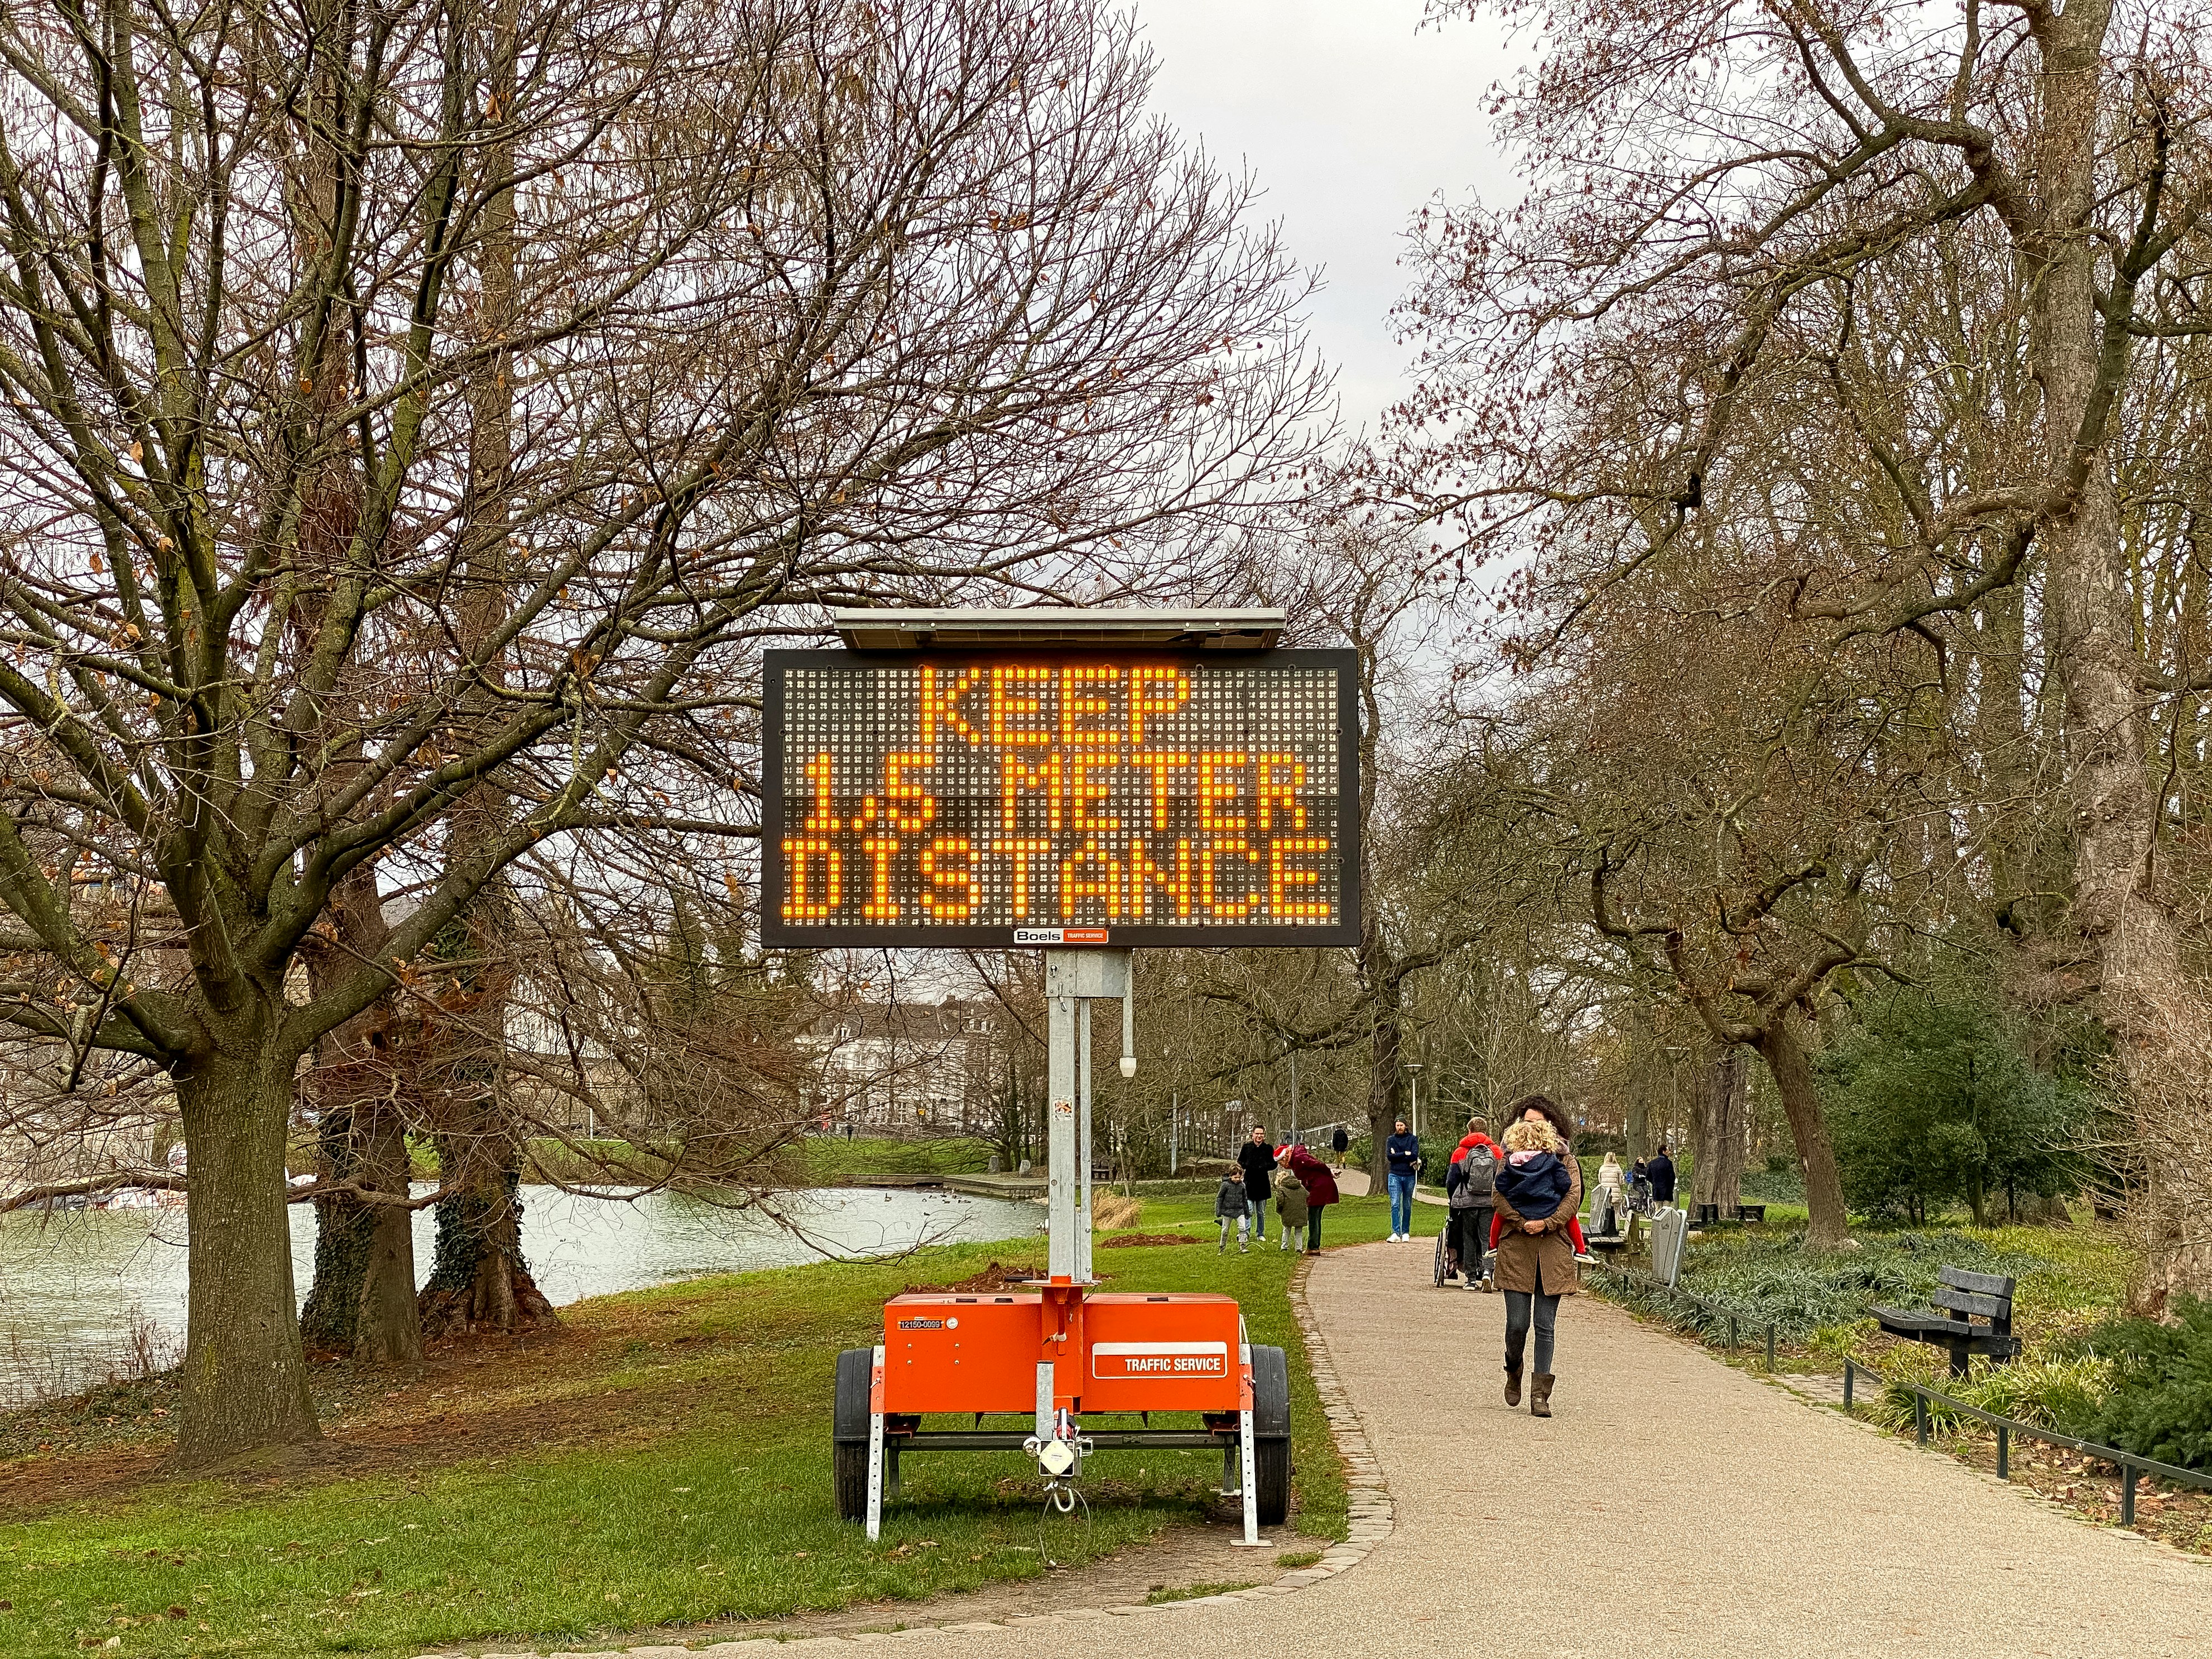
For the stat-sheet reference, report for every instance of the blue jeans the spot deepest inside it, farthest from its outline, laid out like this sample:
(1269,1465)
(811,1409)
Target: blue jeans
(1402,1201)
(1257,1207)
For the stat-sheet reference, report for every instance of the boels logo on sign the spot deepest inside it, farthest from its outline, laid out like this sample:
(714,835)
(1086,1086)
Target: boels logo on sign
(1059,936)
(1129,1362)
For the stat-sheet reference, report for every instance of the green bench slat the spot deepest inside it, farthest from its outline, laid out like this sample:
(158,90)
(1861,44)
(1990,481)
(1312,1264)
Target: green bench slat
(1966,1279)
(1996,1308)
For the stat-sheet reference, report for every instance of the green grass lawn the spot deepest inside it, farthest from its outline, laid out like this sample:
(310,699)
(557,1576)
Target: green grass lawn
(662,1460)
(827,1159)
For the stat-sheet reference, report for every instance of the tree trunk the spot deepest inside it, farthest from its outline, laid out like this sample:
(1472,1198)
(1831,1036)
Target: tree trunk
(387,1326)
(245,1372)
(343,1225)
(1722,1104)
(363,1301)
(478,1278)
(2129,944)
(1827,1225)
(1639,1128)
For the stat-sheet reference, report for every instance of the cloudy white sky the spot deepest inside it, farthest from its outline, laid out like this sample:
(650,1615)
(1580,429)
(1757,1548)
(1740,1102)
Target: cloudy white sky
(1350,115)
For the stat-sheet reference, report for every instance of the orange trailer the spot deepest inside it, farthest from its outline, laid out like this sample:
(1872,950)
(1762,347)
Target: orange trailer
(1084,1371)
(1062,1359)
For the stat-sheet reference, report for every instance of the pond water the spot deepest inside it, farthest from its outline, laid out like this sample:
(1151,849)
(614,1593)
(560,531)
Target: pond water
(80,1289)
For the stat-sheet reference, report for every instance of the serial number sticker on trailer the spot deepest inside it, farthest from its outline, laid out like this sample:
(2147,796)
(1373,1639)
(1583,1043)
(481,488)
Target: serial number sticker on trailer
(1116,1362)
(1100,797)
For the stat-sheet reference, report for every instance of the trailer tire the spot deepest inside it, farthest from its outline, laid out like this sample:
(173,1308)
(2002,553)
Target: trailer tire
(1273,1489)
(1271,1434)
(849,1432)
(851,1473)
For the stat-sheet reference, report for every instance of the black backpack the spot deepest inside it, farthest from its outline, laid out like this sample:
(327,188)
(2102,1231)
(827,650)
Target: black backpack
(1477,1179)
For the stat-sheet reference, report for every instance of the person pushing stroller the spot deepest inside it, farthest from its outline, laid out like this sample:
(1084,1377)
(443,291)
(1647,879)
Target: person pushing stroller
(1470,1186)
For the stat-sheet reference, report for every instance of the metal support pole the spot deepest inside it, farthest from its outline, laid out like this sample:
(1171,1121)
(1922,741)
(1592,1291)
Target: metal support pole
(1062,1262)
(2128,1495)
(2004,1453)
(1732,1344)
(876,1461)
(1920,1419)
(1082,1274)
(1252,1481)
(1770,1350)
(1073,980)
(1850,1377)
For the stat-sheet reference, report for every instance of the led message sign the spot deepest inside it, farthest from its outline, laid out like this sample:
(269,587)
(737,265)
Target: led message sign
(1079,797)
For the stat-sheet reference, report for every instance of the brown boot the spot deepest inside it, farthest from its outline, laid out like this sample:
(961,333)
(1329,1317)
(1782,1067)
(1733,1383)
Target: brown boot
(1540,1398)
(1513,1352)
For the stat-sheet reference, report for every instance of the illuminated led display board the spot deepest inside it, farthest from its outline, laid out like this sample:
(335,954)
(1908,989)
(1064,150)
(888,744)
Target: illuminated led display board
(1096,796)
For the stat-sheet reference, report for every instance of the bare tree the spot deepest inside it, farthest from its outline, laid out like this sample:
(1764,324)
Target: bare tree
(1727,203)
(809,304)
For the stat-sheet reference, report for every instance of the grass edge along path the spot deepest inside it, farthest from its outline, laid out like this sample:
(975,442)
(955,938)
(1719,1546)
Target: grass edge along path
(662,1462)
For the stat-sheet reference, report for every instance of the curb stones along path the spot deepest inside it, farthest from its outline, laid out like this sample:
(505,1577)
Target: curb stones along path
(1673,1507)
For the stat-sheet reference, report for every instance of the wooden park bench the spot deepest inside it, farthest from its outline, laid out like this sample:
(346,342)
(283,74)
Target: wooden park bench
(1709,1215)
(1960,1296)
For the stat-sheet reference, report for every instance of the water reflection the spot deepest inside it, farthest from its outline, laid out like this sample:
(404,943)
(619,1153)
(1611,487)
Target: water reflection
(73,1284)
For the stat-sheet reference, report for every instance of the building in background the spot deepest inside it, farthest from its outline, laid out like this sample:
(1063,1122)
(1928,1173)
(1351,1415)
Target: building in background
(910,1068)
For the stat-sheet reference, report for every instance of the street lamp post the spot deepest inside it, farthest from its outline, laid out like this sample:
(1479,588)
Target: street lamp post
(1413,1069)
(1174,1112)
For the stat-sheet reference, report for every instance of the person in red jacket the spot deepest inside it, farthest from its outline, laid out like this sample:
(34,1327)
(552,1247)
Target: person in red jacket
(1468,1189)
(1320,1185)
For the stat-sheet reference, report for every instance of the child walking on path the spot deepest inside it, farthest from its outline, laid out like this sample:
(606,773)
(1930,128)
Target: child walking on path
(1229,1206)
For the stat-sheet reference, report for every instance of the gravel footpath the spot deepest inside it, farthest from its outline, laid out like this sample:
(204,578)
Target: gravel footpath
(1673,1506)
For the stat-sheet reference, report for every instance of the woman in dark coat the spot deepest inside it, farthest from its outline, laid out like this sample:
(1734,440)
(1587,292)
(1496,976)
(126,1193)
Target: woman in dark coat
(1536,1264)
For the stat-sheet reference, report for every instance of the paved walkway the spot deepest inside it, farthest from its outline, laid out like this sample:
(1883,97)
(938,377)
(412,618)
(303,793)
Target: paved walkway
(1674,1506)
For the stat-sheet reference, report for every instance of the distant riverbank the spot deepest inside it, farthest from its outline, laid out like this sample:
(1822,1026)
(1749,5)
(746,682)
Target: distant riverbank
(87,1293)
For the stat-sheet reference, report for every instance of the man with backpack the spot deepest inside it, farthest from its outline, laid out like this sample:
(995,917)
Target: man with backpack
(1470,1186)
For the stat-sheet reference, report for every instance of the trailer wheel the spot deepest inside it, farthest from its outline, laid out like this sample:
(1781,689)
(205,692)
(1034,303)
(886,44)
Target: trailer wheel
(1274,1457)
(849,1432)
(851,1478)
(1271,1434)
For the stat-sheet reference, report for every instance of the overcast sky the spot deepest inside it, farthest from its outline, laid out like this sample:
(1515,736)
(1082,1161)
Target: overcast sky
(1350,115)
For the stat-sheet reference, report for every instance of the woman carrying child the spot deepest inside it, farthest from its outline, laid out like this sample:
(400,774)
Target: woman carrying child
(1540,1187)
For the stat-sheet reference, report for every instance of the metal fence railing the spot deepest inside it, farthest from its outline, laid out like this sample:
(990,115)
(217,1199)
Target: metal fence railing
(2131,1467)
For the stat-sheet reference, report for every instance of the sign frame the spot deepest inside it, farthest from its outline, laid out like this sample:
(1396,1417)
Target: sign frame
(779,934)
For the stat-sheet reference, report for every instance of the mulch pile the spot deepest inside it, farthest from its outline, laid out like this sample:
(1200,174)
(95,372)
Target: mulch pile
(1130,1240)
